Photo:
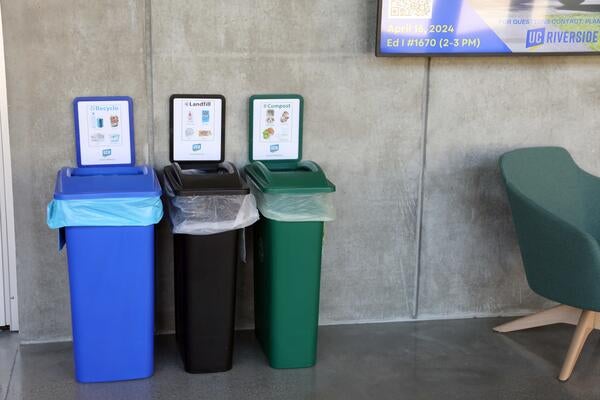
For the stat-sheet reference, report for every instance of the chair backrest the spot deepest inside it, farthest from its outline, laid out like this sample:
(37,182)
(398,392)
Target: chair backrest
(549,198)
(549,177)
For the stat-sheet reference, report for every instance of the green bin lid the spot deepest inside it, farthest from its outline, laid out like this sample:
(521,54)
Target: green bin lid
(306,177)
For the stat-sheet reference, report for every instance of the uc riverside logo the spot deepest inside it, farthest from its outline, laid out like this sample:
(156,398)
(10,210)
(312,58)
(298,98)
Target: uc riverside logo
(535,37)
(196,147)
(538,37)
(106,152)
(274,148)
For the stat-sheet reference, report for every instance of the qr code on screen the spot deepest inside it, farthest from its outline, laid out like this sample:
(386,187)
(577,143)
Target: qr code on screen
(410,8)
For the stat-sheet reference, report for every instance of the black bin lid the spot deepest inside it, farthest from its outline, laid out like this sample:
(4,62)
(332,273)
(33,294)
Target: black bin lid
(198,167)
(223,180)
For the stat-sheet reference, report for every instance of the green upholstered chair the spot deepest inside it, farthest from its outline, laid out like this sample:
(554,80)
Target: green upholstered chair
(556,212)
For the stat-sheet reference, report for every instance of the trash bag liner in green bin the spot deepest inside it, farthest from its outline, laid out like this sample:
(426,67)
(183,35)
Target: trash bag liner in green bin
(297,195)
(294,207)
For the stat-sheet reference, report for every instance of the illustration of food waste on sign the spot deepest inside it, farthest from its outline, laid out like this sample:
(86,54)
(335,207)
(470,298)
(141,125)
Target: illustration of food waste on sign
(104,127)
(275,123)
(197,120)
(488,26)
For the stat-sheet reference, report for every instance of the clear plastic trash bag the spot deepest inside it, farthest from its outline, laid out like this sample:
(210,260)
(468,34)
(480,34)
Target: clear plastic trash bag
(293,207)
(210,214)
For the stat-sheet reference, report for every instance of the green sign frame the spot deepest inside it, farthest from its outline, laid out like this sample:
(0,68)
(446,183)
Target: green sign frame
(275,163)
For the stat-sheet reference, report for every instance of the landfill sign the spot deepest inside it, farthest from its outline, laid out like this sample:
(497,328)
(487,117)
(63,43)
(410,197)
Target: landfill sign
(197,126)
(462,27)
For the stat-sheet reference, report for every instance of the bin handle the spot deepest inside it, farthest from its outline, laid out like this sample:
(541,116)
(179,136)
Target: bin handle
(311,166)
(179,173)
(262,168)
(227,166)
(167,186)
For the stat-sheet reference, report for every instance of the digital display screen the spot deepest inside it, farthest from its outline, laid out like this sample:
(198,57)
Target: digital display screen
(463,27)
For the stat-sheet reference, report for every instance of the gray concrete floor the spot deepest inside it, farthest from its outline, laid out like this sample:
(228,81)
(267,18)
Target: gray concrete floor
(9,344)
(459,359)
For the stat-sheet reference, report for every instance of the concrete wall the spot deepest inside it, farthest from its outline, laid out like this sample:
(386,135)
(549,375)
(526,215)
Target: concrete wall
(55,51)
(474,109)
(371,248)
(478,109)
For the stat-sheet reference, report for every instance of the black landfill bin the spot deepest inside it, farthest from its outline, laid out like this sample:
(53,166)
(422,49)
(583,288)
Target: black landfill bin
(206,263)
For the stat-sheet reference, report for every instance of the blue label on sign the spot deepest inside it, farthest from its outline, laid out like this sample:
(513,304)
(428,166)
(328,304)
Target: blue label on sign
(535,37)
(106,152)
(196,147)
(205,116)
(274,148)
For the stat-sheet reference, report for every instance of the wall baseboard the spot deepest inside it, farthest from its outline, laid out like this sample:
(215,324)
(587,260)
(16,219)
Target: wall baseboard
(60,339)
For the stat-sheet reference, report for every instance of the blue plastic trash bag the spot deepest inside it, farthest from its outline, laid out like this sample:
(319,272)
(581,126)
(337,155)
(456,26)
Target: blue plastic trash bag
(126,211)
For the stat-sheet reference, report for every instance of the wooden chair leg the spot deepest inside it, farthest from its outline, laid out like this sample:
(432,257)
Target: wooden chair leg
(555,315)
(586,324)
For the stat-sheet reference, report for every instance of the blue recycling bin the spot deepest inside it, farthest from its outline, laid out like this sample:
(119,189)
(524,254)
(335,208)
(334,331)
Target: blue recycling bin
(106,217)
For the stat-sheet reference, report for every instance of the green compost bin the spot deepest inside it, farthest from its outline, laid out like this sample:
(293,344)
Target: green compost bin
(294,201)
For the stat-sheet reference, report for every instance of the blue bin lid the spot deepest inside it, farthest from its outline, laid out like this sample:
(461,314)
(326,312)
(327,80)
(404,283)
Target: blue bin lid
(106,182)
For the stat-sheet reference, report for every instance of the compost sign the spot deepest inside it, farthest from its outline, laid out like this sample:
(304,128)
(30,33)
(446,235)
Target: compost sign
(276,127)
(462,27)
